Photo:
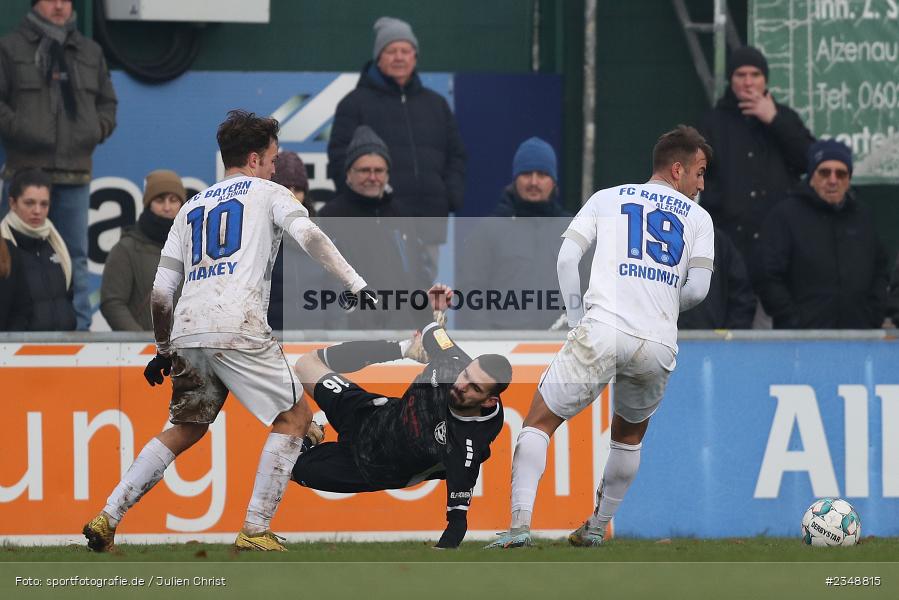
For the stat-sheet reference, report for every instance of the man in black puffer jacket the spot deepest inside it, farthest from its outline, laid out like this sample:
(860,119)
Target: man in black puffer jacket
(428,166)
(824,266)
(760,149)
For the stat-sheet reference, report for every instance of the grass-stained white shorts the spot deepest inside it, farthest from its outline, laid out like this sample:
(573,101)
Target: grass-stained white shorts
(595,355)
(261,379)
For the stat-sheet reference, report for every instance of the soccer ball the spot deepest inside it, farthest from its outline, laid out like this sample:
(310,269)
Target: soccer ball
(831,522)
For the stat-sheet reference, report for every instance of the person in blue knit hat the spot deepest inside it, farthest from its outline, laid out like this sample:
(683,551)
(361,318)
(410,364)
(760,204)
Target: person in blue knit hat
(535,156)
(515,248)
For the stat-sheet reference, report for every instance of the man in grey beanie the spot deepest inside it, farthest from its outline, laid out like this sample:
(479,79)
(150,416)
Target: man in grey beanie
(366,141)
(389,30)
(427,169)
(366,225)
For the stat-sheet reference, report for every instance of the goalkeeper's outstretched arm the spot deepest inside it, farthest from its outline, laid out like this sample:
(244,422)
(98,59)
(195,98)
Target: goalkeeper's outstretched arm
(462,470)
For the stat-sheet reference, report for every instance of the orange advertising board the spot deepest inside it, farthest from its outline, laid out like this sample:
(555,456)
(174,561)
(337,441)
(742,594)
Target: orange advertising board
(75,416)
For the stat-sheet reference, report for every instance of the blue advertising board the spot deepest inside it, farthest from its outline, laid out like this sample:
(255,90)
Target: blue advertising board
(751,432)
(173,125)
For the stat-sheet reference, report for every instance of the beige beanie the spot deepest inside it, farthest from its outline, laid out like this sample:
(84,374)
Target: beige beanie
(161,182)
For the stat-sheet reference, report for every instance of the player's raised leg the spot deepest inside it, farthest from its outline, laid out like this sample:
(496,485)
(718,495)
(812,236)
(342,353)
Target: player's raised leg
(144,473)
(197,397)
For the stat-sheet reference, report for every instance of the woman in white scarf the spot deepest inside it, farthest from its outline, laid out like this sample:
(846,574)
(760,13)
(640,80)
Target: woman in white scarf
(45,261)
(28,216)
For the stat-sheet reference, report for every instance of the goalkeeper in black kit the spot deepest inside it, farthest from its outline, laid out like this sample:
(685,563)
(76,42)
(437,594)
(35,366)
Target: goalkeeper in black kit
(441,427)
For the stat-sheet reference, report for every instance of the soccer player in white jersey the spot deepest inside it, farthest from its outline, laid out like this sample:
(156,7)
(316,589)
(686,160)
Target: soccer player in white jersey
(222,247)
(654,258)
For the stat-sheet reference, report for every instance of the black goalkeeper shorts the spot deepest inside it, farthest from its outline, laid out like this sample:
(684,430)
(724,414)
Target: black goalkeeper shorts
(330,467)
(344,403)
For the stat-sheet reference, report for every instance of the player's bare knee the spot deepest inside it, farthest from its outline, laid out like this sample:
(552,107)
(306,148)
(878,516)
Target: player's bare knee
(540,417)
(294,421)
(307,366)
(182,436)
(625,432)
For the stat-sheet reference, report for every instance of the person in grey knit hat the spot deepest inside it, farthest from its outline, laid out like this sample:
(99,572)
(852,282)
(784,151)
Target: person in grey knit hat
(365,141)
(427,155)
(389,30)
(367,164)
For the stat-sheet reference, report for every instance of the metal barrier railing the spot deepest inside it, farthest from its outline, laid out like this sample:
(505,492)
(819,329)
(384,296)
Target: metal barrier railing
(319,335)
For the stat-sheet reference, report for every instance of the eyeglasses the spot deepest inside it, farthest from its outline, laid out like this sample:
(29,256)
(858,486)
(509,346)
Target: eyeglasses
(369,171)
(826,173)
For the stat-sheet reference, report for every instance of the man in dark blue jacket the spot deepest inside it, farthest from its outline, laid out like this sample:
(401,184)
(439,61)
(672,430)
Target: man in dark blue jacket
(824,266)
(512,253)
(428,159)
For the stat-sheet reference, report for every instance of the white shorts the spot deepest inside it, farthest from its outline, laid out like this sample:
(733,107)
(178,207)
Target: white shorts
(261,379)
(596,355)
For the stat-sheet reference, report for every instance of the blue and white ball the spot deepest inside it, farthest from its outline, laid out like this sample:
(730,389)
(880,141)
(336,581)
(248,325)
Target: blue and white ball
(831,522)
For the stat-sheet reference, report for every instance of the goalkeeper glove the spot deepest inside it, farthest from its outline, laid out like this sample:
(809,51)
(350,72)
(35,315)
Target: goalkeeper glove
(414,349)
(157,369)
(314,436)
(457,525)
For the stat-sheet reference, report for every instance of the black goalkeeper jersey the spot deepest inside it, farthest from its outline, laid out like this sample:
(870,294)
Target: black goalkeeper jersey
(417,437)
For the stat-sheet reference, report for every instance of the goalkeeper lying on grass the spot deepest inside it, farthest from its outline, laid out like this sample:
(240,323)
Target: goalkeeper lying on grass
(441,428)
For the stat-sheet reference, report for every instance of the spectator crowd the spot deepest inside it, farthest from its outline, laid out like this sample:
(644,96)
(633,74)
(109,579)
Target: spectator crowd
(795,247)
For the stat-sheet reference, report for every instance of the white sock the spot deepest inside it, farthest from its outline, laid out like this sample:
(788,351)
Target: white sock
(528,465)
(624,460)
(521,519)
(145,472)
(279,455)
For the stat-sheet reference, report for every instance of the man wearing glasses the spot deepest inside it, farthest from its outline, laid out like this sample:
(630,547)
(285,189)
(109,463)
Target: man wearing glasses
(823,264)
(365,223)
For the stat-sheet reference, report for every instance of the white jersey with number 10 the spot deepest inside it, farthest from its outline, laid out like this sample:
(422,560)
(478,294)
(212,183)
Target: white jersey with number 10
(647,237)
(226,239)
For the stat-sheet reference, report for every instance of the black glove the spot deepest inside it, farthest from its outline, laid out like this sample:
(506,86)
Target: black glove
(157,369)
(349,301)
(457,525)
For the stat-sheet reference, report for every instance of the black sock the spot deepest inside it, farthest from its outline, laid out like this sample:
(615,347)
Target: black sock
(353,356)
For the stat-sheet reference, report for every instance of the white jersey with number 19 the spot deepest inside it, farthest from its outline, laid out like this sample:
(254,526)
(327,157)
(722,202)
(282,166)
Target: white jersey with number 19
(225,240)
(647,237)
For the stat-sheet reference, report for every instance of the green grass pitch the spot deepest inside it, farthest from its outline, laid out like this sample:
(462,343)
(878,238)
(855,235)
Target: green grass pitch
(623,568)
